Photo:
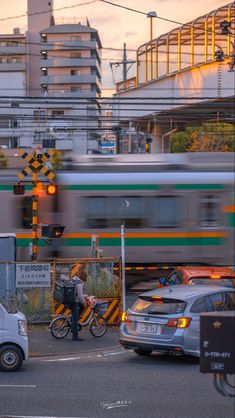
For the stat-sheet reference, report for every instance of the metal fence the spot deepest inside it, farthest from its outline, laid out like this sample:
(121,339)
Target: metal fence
(28,286)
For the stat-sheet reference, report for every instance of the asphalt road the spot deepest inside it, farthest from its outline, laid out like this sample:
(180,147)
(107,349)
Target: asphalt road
(111,383)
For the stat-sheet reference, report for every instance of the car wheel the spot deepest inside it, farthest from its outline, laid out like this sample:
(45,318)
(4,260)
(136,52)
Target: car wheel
(142,352)
(11,358)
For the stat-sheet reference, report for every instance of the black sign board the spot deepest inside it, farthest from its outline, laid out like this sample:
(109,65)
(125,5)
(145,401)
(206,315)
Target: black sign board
(217,342)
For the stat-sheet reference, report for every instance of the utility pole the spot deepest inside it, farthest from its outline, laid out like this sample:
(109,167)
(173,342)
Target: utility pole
(124,63)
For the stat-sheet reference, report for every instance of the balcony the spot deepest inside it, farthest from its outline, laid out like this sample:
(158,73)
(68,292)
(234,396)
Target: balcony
(68,45)
(12,50)
(13,66)
(70,79)
(69,62)
(82,94)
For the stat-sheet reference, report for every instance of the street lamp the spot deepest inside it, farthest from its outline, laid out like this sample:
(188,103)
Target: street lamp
(151,15)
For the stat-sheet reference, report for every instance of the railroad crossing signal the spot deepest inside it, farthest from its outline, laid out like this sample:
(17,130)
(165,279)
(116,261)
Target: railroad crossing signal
(36,164)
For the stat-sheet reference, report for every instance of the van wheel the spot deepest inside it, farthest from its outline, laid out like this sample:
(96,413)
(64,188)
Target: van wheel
(142,352)
(11,358)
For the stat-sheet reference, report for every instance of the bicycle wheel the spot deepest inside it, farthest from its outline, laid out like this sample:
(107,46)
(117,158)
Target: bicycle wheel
(60,327)
(98,326)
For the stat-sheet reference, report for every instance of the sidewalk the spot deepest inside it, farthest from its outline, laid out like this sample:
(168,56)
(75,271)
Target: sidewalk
(41,342)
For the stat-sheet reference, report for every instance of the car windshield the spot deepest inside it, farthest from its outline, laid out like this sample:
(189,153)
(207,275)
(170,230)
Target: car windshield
(225,282)
(157,305)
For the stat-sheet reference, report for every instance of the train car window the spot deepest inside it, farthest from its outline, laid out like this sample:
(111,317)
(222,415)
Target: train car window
(131,211)
(167,211)
(95,211)
(26,212)
(111,211)
(209,211)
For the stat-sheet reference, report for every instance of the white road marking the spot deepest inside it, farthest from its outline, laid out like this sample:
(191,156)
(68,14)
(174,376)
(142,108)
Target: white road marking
(34,416)
(105,354)
(113,354)
(62,359)
(17,386)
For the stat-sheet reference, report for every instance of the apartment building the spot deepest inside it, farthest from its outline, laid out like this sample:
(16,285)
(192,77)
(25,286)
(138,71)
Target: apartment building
(71,61)
(13,64)
(51,82)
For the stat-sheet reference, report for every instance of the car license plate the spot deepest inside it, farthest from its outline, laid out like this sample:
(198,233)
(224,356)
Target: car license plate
(148,329)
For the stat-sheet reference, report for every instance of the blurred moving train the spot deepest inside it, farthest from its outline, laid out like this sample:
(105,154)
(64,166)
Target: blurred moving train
(177,208)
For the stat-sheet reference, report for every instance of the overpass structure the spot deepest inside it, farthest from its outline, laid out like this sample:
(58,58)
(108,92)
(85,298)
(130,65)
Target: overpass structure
(184,77)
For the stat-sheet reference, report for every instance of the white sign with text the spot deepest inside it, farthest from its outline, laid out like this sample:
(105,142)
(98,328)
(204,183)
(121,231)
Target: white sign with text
(33,275)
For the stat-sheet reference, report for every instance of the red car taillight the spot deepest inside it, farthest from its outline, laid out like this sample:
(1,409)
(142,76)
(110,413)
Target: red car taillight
(125,317)
(179,322)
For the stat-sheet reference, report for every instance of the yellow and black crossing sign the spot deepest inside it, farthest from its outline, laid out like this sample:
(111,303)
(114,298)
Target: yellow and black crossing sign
(36,163)
(112,314)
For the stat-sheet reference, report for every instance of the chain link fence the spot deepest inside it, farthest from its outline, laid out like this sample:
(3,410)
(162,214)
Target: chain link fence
(28,287)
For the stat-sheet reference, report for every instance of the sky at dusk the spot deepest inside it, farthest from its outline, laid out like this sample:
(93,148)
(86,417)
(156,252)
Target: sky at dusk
(115,25)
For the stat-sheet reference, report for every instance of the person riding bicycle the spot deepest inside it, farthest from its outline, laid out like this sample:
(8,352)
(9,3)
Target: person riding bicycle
(79,277)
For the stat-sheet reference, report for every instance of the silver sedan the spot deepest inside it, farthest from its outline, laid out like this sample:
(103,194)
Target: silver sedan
(168,319)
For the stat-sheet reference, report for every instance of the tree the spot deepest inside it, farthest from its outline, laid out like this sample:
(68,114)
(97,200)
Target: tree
(56,161)
(180,141)
(210,137)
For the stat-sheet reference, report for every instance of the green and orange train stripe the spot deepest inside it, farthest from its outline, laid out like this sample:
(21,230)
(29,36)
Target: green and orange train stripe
(230,215)
(136,239)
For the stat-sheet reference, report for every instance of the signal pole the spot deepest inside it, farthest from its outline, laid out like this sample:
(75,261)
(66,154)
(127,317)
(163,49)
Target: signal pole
(34,215)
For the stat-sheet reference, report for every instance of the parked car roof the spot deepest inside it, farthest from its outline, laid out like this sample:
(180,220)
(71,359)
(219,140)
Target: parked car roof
(179,291)
(198,271)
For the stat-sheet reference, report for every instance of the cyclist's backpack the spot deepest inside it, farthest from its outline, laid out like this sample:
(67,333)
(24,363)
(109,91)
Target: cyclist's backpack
(64,292)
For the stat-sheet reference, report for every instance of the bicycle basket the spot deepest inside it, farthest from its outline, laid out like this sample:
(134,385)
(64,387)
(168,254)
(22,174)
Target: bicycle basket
(101,307)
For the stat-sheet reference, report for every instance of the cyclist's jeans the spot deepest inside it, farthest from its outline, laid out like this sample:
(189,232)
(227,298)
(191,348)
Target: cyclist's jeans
(76,310)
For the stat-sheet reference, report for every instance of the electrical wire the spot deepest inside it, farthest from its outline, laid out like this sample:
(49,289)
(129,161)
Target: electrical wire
(157,17)
(46,11)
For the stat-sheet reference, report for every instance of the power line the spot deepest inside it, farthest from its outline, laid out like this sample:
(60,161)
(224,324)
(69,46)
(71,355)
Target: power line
(158,17)
(46,11)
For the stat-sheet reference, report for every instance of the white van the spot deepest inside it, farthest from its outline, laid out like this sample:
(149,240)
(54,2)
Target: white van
(14,346)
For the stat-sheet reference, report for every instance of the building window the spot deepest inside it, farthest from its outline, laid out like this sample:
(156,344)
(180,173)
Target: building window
(57,114)
(209,211)
(38,136)
(13,123)
(4,123)
(75,72)
(39,114)
(76,38)
(76,55)
(13,43)
(15,59)
(73,89)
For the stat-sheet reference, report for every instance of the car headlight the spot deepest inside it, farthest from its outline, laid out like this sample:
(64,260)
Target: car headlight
(22,327)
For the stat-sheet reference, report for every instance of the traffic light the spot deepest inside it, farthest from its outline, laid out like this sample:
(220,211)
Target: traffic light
(18,189)
(51,189)
(52,231)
